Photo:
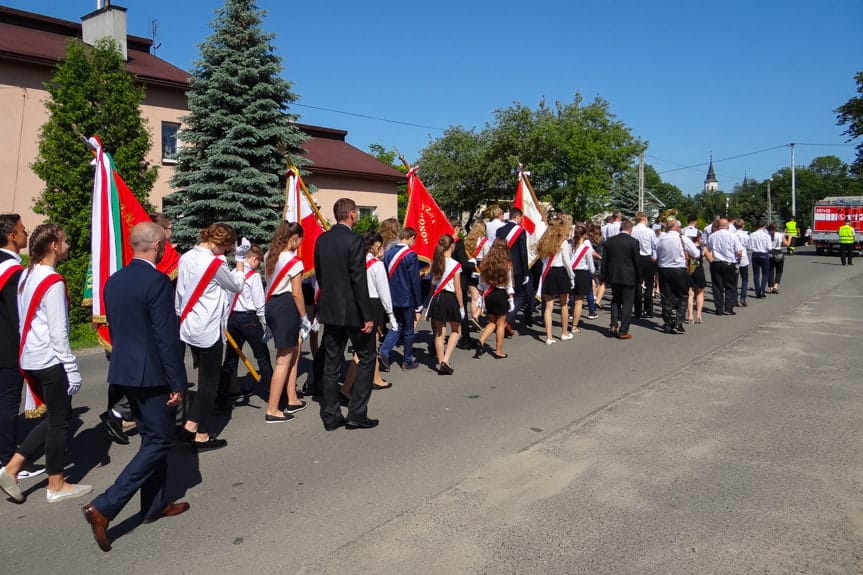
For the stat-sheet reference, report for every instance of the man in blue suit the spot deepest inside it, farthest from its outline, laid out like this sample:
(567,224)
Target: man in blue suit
(403,268)
(146,362)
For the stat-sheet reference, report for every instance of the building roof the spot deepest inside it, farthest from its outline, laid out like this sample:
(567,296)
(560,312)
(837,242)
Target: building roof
(41,40)
(332,155)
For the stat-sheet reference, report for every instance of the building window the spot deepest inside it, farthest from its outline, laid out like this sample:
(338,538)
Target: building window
(169,142)
(367,211)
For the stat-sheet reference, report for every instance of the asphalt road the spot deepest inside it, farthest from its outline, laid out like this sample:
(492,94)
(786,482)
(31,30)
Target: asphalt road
(735,448)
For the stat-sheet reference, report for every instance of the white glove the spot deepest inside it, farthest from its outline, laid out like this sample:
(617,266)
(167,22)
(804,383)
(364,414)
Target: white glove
(461,311)
(394,325)
(511,305)
(268,335)
(73,388)
(316,327)
(526,280)
(241,249)
(305,328)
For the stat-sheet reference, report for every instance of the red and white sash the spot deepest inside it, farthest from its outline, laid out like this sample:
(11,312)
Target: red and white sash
(440,287)
(34,406)
(208,275)
(403,251)
(545,269)
(8,268)
(249,274)
(479,247)
(370,261)
(580,256)
(513,234)
(280,276)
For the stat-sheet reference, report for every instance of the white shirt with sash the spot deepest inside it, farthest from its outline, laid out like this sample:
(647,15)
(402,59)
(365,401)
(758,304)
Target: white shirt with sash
(47,342)
(379,284)
(206,321)
(284,278)
(448,275)
(251,297)
(582,258)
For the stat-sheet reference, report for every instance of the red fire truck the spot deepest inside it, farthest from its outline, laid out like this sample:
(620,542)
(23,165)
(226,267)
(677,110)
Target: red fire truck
(830,215)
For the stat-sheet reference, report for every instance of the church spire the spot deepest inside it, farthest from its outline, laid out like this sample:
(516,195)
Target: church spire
(710,182)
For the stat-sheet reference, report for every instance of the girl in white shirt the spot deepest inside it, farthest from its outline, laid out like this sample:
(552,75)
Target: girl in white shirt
(446,305)
(583,270)
(203,305)
(476,245)
(556,253)
(47,362)
(284,274)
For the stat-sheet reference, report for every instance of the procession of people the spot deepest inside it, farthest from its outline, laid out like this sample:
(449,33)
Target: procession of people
(372,292)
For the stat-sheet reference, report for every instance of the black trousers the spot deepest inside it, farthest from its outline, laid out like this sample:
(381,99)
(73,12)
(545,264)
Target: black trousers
(644,296)
(622,299)
(54,429)
(465,340)
(723,276)
(11,385)
(674,288)
(335,340)
(846,250)
(209,374)
(245,327)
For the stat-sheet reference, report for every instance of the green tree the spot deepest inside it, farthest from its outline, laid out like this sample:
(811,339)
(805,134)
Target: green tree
(388,157)
(89,91)
(238,133)
(850,115)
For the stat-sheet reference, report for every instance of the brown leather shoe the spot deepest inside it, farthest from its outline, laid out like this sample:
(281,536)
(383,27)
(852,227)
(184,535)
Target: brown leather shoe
(170,510)
(99,525)
(624,336)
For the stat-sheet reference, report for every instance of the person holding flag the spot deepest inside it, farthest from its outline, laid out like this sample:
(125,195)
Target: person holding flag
(516,238)
(446,305)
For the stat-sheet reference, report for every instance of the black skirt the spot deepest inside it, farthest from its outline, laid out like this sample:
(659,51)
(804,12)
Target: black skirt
(444,307)
(556,283)
(697,279)
(497,302)
(379,314)
(583,283)
(283,319)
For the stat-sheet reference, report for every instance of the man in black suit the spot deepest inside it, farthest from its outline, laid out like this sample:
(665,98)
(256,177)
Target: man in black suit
(147,363)
(344,308)
(516,237)
(620,271)
(13,239)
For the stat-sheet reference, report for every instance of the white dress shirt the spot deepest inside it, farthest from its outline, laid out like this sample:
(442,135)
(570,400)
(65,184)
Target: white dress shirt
(611,230)
(15,256)
(251,298)
(724,245)
(450,285)
(379,283)
(586,262)
(562,259)
(646,239)
(491,228)
(672,249)
(206,321)
(690,232)
(48,340)
(285,285)
(760,241)
(743,236)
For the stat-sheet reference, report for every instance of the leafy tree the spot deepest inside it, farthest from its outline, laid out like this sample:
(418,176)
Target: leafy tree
(658,197)
(230,170)
(90,91)
(389,157)
(850,114)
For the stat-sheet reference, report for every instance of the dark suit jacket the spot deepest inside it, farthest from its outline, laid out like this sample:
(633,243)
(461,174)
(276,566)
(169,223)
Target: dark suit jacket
(405,282)
(518,251)
(340,266)
(9,338)
(139,304)
(459,254)
(620,264)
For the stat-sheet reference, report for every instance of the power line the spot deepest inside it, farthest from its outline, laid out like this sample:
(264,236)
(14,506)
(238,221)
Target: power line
(702,164)
(370,117)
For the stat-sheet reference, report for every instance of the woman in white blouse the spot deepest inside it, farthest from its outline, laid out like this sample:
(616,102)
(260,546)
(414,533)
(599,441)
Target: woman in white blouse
(583,269)
(284,274)
(201,301)
(476,245)
(556,280)
(47,362)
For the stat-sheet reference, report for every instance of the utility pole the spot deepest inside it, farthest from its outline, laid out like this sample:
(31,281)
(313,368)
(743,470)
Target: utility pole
(793,184)
(769,203)
(641,182)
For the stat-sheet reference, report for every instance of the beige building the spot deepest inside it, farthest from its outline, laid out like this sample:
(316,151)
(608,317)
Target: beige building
(31,45)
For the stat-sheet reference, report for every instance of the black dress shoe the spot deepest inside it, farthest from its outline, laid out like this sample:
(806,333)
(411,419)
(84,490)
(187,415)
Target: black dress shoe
(114,426)
(333,425)
(732,312)
(742,304)
(667,329)
(679,328)
(366,423)
(184,435)
(479,350)
(210,444)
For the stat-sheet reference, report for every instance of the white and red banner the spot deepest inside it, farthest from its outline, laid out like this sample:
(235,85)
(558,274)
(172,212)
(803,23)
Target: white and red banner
(533,220)
(298,208)
(425,216)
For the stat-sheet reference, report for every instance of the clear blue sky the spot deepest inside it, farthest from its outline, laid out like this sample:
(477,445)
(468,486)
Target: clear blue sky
(691,78)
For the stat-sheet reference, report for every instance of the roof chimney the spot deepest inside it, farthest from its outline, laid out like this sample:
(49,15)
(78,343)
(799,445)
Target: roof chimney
(107,21)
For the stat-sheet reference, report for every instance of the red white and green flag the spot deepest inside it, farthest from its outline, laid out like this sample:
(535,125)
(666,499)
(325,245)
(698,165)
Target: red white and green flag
(300,208)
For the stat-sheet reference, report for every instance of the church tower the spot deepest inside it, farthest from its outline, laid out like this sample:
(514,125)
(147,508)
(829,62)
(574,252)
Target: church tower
(711,184)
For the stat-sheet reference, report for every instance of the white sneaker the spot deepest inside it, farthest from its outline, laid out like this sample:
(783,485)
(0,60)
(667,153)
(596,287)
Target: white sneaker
(550,341)
(566,337)
(74,491)
(10,486)
(30,473)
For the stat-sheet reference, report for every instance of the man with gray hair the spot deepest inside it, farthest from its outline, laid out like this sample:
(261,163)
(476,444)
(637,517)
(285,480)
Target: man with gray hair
(673,252)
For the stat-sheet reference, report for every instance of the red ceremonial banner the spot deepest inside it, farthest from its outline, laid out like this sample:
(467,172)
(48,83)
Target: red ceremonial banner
(424,215)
